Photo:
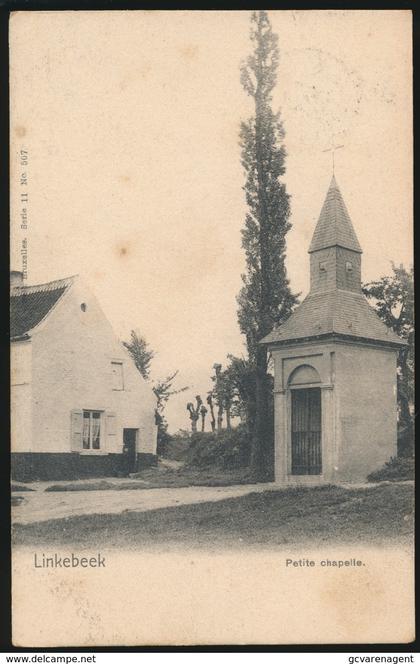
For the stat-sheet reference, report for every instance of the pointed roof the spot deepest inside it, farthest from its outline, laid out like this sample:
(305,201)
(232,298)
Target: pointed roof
(29,305)
(334,227)
(337,312)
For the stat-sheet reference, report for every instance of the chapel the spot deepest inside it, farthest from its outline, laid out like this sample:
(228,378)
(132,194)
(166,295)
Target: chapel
(335,367)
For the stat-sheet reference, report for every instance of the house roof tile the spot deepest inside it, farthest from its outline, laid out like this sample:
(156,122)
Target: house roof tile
(29,305)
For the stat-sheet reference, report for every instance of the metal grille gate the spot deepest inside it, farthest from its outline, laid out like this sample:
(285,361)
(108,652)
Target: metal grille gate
(306,431)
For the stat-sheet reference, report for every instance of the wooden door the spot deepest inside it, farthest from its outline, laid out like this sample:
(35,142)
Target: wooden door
(306,431)
(129,451)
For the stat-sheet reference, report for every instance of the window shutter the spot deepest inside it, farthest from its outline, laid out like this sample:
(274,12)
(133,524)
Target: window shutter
(76,430)
(111,428)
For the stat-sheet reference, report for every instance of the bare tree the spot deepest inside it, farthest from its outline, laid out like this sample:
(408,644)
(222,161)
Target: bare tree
(203,413)
(194,412)
(211,406)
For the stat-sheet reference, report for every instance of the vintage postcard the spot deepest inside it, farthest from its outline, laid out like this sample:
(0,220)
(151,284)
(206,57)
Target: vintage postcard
(211,327)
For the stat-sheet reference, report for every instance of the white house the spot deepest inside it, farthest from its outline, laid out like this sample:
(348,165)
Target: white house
(79,405)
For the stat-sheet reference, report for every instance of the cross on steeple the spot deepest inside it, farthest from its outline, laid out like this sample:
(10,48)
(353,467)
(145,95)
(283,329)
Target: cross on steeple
(332,149)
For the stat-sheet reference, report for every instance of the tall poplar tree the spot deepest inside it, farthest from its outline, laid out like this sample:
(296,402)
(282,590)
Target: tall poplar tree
(265,299)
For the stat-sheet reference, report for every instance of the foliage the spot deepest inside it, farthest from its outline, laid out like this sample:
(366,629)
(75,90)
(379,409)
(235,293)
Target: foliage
(233,392)
(164,438)
(240,374)
(223,394)
(140,352)
(163,390)
(396,469)
(393,299)
(178,446)
(265,299)
(225,449)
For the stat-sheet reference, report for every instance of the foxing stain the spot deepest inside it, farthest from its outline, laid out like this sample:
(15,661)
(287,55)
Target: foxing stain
(189,51)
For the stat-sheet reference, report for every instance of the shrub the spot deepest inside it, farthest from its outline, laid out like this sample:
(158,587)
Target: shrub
(229,448)
(164,440)
(397,468)
(406,440)
(177,446)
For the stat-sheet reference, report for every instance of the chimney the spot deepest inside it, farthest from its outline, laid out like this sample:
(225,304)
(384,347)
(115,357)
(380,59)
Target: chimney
(16,278)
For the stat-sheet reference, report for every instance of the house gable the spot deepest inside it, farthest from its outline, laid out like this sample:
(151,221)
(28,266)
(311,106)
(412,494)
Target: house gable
(75,354)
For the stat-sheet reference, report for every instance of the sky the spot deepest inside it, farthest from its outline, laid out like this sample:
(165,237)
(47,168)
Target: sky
(131,121)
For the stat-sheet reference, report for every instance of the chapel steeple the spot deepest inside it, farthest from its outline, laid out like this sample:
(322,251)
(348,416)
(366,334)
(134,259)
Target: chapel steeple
(335,250)
(335,380)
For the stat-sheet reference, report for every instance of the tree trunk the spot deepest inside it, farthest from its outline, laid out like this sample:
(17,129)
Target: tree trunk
(213,419)
(261,445)
(219,418)
(228,424)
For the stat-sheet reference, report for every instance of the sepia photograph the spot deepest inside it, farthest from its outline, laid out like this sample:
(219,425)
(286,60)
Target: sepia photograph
(212,327)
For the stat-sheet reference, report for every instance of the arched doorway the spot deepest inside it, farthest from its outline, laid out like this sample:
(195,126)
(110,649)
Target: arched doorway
(306,428)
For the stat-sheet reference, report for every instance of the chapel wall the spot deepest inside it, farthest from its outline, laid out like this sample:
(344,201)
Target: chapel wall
(366,394)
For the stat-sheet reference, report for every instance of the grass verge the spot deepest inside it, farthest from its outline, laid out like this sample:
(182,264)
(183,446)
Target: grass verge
(156,478)
(288,518)
(397,469)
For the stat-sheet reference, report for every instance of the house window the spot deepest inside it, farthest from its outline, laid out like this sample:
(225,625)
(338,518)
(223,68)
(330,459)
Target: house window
(91,429)
(323,266)
(117,376)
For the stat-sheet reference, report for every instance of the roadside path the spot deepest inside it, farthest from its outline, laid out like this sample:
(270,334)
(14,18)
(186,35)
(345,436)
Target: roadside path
(42,506)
